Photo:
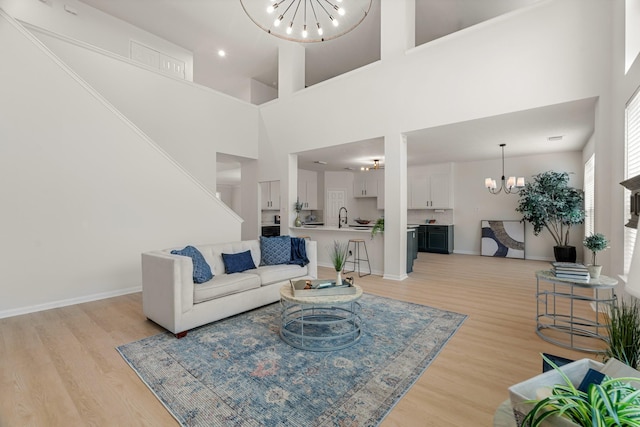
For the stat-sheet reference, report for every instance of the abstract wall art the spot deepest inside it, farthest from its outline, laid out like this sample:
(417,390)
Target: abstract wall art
(502,238)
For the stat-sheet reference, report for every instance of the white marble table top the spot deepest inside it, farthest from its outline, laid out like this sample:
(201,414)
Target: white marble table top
(286,293)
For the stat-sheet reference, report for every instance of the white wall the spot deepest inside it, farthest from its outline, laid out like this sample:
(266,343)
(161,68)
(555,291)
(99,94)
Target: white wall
(94,27)
(231,195)
(503,65)
(191,122)
(473,202)
(83,192)
(261,93)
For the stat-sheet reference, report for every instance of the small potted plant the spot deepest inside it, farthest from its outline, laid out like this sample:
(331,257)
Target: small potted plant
(595,243)
(297,206)
(338,254)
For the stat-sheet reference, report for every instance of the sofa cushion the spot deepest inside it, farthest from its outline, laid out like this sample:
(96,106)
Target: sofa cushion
(201,270)
(225,284)
(275,250)
(277,273)
(237,263)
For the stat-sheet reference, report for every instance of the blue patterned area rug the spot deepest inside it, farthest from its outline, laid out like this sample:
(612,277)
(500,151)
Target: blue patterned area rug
(238,372)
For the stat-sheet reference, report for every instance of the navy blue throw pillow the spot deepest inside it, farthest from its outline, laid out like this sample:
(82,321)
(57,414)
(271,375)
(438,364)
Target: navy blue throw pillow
(201,270)
(275,250)
(237,263)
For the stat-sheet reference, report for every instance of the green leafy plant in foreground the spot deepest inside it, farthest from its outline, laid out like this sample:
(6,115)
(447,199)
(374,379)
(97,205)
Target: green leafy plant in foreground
(614,402)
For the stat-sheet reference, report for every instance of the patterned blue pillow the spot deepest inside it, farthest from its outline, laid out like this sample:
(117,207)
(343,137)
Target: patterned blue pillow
(275,250)
(201,270)
(237,263)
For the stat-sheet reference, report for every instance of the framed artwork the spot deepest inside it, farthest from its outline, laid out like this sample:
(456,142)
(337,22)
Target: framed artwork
(502,238)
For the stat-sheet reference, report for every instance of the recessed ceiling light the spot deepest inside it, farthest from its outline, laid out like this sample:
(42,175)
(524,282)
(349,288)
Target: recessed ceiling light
(222,53)
(555,138)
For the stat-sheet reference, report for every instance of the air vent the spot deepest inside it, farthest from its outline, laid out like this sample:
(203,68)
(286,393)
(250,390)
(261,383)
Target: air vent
(555,138)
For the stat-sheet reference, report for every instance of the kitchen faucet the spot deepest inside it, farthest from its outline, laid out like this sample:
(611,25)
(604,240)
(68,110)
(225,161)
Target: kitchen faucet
(340,217)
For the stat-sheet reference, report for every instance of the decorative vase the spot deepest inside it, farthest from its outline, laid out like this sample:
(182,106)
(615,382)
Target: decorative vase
(297,221)
(594,271)
(565,253)
(339,278)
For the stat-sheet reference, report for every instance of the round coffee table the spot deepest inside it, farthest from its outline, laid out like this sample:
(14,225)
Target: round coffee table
(320,323)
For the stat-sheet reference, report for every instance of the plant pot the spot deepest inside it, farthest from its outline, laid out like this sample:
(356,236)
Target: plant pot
(594,271)
(565,253)
(297,221)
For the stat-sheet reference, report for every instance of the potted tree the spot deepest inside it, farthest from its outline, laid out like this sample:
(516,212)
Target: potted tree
(595,243)
(548,202)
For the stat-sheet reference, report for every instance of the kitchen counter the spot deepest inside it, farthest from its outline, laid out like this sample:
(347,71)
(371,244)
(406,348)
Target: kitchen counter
(326,235)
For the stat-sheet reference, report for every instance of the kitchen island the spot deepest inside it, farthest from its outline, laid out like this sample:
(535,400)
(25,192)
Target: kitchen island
(326,235)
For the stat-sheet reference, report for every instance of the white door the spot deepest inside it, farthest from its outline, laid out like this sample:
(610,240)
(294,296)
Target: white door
(335,200)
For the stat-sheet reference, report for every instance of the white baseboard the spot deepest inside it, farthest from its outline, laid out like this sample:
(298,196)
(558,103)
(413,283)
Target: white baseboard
(72,301)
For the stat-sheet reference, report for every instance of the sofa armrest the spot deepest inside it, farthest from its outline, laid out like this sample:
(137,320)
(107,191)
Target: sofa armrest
(312,254)
(167,288)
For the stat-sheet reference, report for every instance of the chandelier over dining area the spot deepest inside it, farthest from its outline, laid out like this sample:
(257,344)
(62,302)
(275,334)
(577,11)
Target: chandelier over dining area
(307,21)
(512,185)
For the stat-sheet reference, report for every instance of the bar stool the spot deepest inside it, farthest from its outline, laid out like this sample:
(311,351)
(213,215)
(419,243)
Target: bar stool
(356,257)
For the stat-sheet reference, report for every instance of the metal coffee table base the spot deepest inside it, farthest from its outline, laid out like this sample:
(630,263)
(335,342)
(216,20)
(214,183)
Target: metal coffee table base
(320,327)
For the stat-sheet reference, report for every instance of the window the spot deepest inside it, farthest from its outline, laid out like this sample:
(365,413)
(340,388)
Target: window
(632,168)
(589,196)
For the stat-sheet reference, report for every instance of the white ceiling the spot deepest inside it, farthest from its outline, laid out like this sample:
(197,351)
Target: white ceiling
(205,26)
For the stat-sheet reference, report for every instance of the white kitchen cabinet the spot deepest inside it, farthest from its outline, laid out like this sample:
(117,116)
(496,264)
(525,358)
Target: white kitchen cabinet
(365,184)
(430,190)
(308,189)
(270,195)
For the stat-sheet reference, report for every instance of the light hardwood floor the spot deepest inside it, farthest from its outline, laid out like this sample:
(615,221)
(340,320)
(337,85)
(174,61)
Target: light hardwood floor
(60,367)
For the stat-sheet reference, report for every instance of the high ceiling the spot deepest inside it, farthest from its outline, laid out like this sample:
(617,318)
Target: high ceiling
(205,26)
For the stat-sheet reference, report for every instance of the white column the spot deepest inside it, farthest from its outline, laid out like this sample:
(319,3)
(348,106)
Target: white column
(395,206)
(288,194)
(397,27)
(290,68)
(249,207)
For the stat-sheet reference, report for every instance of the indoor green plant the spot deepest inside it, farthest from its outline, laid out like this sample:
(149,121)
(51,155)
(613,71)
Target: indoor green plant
(338,254)
(548,202)
(297,206)
(595,243)
(377,227)
(624,332)
(613,402)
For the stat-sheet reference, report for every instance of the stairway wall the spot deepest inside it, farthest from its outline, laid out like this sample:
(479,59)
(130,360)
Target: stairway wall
(83,190)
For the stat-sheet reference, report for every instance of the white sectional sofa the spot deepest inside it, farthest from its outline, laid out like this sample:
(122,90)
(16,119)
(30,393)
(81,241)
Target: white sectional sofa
(171,299)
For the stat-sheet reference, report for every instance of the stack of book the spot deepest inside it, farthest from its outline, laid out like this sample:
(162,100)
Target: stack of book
(570,270)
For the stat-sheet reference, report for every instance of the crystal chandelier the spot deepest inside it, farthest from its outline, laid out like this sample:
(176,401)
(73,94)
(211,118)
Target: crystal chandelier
(307,21)
(511,185)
